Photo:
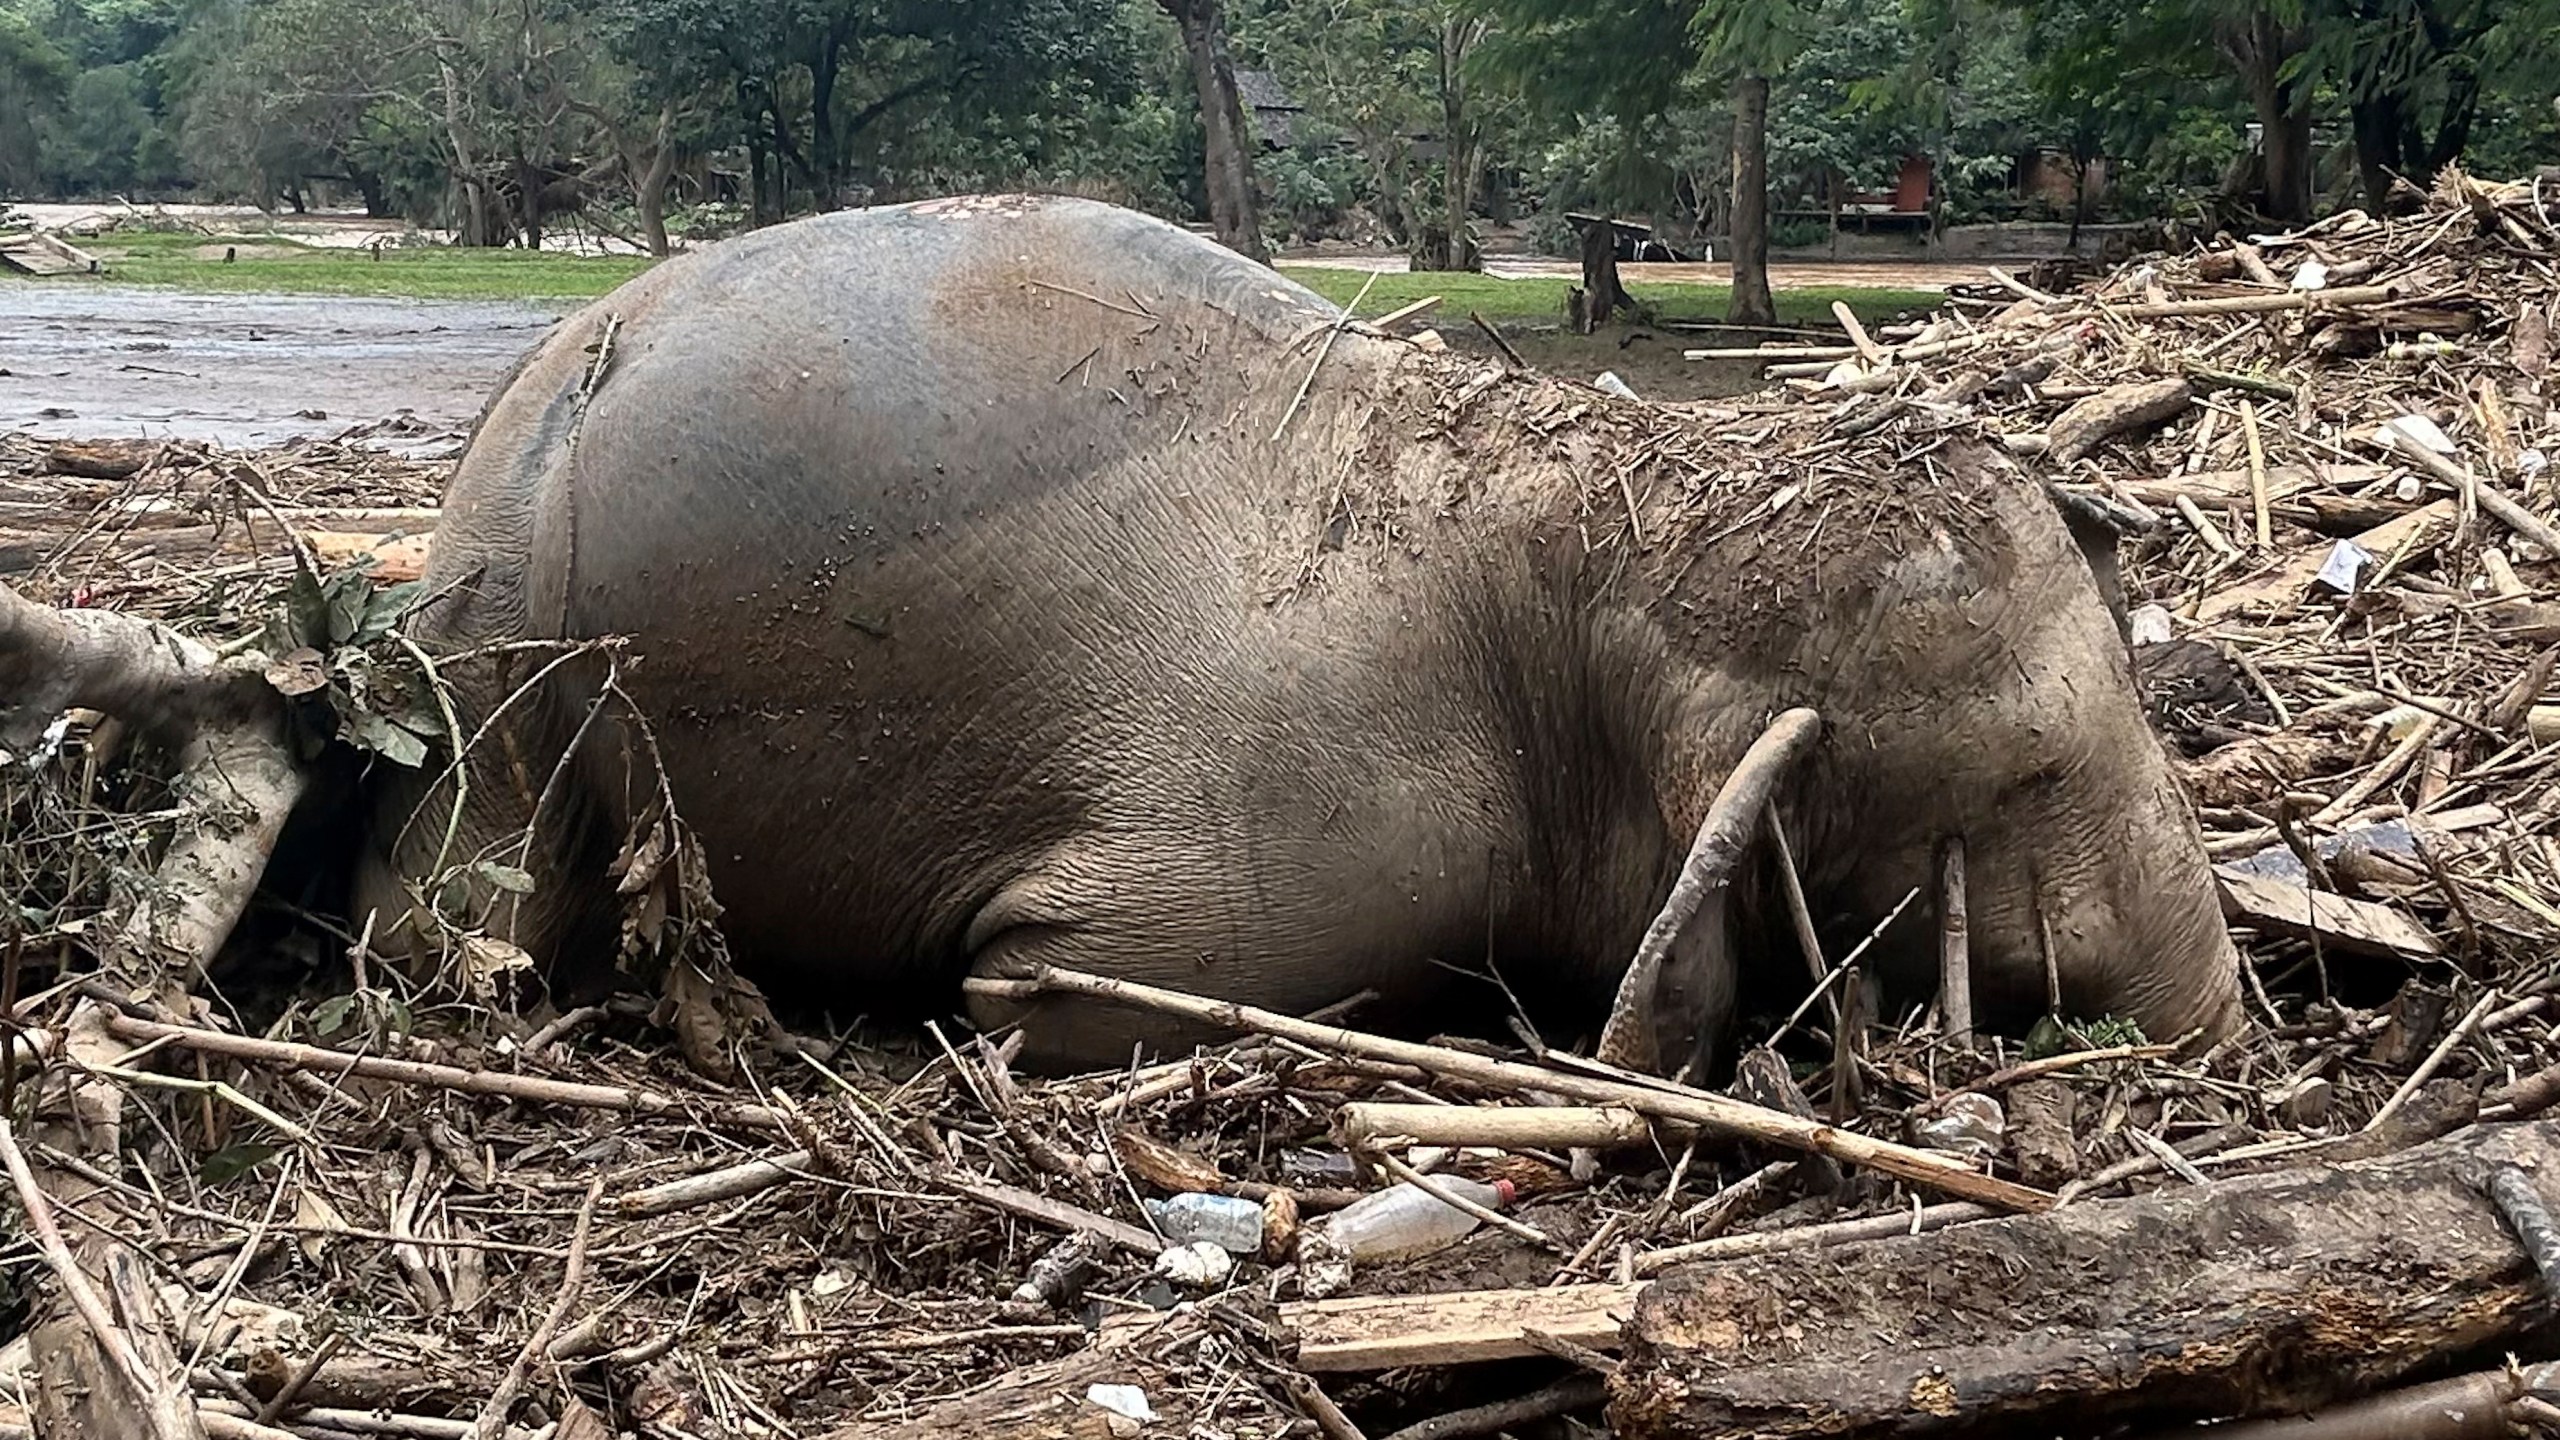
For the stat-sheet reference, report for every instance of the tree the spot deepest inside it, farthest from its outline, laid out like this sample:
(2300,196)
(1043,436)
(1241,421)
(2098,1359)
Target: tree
(34,77)
(1397,77)
(1638,59)
(1235,205)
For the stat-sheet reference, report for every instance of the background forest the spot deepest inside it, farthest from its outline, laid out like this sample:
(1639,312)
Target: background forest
(1401,123)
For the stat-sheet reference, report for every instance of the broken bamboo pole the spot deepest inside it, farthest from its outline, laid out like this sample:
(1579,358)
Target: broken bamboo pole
(1510,1127)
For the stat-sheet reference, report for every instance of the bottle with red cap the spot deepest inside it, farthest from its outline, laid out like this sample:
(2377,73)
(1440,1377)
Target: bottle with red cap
(1405,1220)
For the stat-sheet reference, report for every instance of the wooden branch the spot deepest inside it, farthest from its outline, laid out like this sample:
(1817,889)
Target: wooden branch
(735,1182)
(1658,1099)
(1575,1392)
(1636,1023)
(1047,1401)
(2261,1295)
(325,1062)
(502,1400)
(1365,1124)
(157,1399)
(1056,1213)
(2489,497)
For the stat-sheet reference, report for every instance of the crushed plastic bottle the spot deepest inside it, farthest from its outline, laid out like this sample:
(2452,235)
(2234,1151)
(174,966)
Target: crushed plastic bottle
(1972,1125)
(1198,1265)
(1405,1220)
(1231,1224)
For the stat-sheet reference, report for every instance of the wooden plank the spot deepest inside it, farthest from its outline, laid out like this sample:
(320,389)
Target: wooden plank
(2333,920)
(42,254)
(1379,1332)
(2420,529)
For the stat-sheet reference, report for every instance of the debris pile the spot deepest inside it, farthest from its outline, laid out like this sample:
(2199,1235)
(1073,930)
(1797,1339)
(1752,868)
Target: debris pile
(318,1208)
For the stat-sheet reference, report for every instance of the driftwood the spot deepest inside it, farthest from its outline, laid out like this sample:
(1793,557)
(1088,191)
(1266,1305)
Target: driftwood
(2123,409)
(2258,1296)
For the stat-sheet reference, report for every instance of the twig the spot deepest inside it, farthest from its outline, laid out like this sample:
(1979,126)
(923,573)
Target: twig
(1955,963)
(292,1389)
(325,1061)
(2427,1068)
(1332,333)
(76,1287)
(2026,1070)
(493,1415)
(1320,1408)
(1496,337)
(1574,1393)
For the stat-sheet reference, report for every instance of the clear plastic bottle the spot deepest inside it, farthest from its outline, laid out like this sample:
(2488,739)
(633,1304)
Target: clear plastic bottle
(1405,1220)
(1231,1224)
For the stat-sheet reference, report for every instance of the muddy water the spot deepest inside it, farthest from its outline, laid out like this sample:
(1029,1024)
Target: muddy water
(92,361)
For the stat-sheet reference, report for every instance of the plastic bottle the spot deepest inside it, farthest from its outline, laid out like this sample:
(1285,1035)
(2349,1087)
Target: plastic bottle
(1405,1220)
(1231,1224)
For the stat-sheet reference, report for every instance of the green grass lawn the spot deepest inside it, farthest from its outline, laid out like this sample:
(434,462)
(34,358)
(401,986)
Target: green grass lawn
(1540,299)
(276,263)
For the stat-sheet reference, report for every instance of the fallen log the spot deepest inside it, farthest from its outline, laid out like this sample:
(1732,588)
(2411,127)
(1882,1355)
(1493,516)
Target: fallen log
(2264,1295)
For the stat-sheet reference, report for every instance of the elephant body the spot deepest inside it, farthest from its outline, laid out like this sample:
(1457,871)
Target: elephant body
(1000,590)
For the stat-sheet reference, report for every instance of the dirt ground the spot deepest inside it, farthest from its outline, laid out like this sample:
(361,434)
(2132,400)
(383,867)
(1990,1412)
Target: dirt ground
(250,370)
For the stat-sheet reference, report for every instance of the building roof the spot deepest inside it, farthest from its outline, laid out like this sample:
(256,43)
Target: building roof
(1261,90)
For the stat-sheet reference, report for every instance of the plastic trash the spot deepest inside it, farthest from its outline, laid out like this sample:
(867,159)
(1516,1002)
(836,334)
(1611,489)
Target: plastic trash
(1405,1220)
(1231,1224)
(1610,382)
(1318,1167)
(2312,276)
(1973,1125)
(1126,1401)
(2150,626)
(1199,1265)
(2345,565)
(1058,1278)
(2418,430)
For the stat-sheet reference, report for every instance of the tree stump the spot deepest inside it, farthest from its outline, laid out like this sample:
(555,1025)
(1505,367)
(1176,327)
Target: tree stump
(1601,294)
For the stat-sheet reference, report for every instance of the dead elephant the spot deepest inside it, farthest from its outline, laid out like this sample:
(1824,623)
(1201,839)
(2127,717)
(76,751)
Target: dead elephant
(1001,592)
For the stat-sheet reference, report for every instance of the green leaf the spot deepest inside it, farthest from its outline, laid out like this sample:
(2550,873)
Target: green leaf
(348,593)
(330,1015)
(505,877)
(386,607)
(234,1161)
(381,735)
(306,610)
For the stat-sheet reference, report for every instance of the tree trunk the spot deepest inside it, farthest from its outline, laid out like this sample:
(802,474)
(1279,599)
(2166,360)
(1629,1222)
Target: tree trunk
(1458,35)
(649,182)
(1601,295)
(2378,158)
(1752,304)
(2261,48)
(2262,1295)
(1235,210)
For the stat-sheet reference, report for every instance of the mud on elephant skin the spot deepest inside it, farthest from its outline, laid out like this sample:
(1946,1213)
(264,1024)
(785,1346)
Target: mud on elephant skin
(996,599)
